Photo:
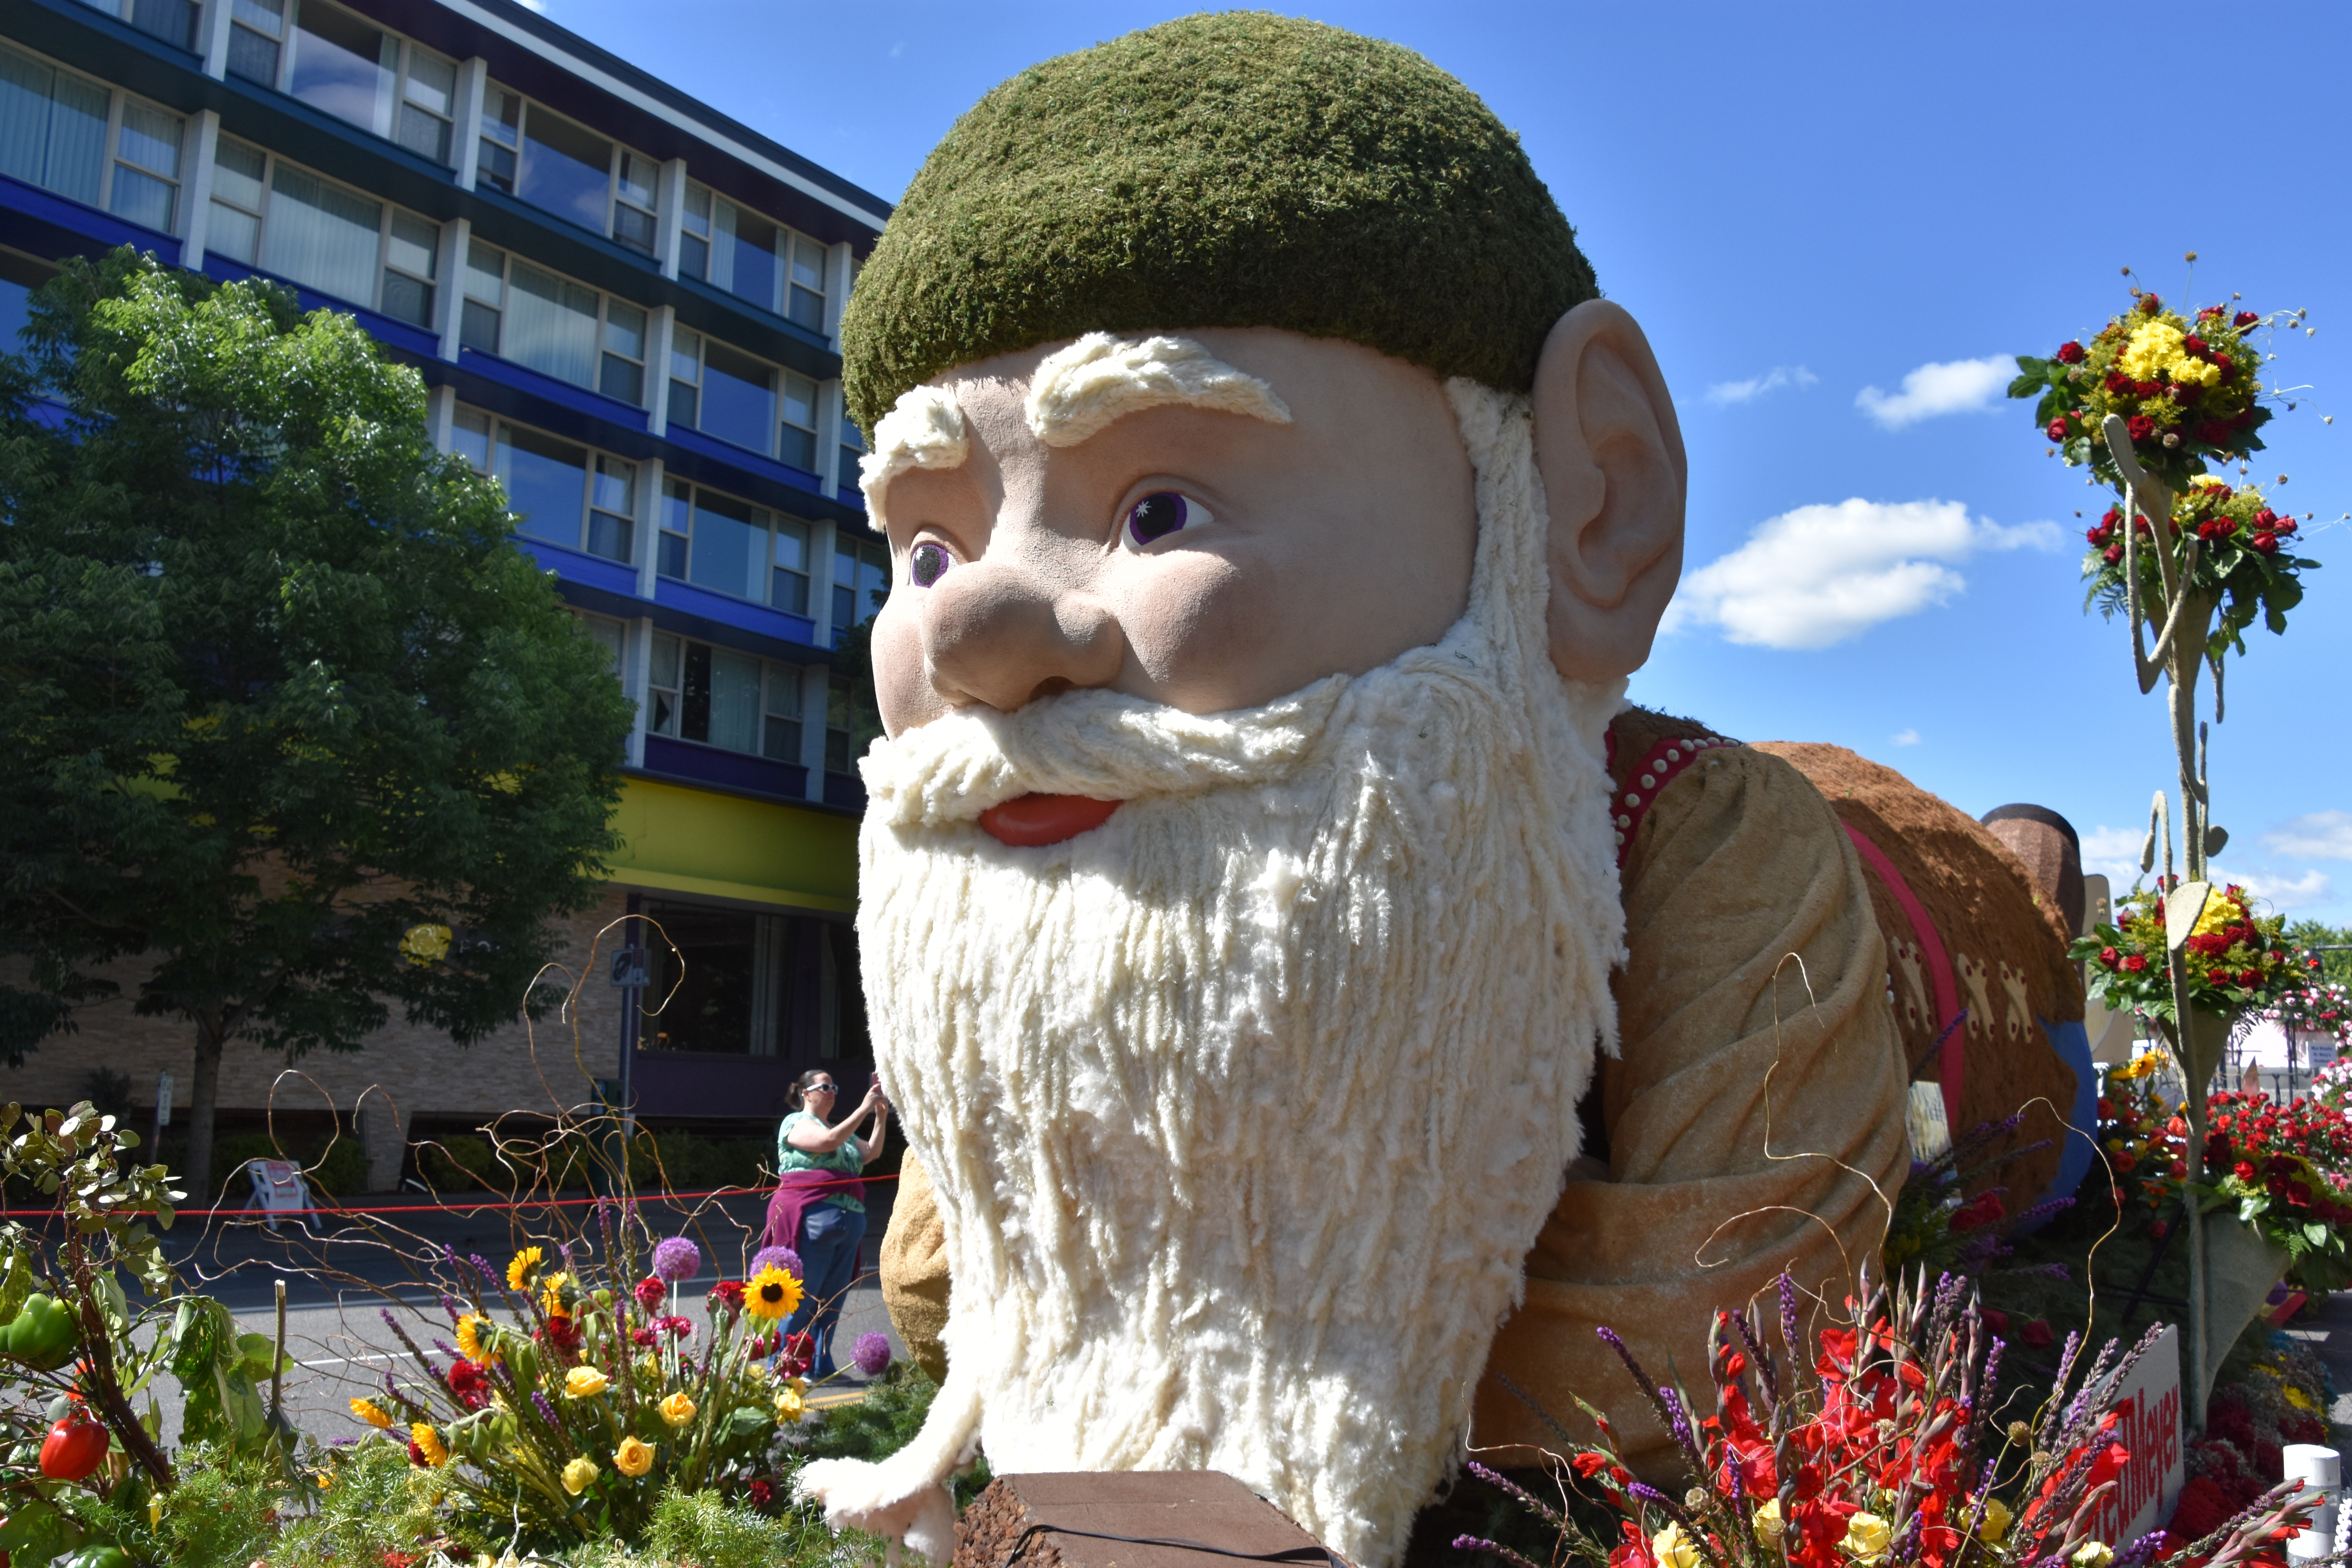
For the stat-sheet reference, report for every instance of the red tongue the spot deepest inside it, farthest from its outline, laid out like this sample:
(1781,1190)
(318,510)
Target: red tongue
(1037,819)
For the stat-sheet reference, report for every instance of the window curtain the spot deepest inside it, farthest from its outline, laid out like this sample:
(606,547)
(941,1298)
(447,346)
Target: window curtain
(734,700)
(320,235)
(551,325)
(52,128)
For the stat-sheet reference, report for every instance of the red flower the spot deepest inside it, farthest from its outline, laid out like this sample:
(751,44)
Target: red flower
(562,1333)
(2225,365)
(643,1337)
(417,1456)
(2134,963)
(2057,431)
(2267,542)
(2036,1333)
(2245,318)
(2113,554)
(2213,433)
(469,1385)
(1984,1210)
(729,1293)
(675,1327)
(2116,382)
(2243,1171)
(760,1494)
(2141,426)
(2149,304)
(2071,353)
(650,1293)
(1996,1319)
(1589,1463)
(2194,344)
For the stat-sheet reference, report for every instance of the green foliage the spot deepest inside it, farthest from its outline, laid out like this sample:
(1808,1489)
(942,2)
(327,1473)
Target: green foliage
(692,1163)
(280,686)
(2335,967)
(702,1528)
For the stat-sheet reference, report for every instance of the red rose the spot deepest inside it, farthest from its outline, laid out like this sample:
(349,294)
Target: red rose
(2245,318)
(2267,542)
(2147,388)
(2107,956)
(2116,382)
(2134,963)
(2141,426)
(2036,1333)
(2057,431)
(2193,343)
(2125,1161)
(2114,552)
(2250,978)
(2243,1171)
(2225,365)
(2149,304)
(2071,353)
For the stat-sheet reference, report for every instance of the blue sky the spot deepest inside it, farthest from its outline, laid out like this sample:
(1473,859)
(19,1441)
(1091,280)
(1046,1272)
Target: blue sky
(1804,203)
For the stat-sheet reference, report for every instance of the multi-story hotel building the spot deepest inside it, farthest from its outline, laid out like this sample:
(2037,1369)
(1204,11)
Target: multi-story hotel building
(625,306)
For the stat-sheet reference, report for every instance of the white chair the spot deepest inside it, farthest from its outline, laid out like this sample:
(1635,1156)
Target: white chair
(278,1188)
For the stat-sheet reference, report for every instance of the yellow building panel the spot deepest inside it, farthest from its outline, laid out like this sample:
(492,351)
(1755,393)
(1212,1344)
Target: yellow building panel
(682,840)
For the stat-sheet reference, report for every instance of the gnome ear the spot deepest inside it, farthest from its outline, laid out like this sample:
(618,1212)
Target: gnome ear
(1610,454)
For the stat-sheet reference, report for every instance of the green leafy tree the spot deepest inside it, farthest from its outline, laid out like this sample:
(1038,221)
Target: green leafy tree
(276,689)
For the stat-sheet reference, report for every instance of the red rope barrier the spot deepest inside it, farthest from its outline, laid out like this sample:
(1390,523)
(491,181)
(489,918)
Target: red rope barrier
(457,1208)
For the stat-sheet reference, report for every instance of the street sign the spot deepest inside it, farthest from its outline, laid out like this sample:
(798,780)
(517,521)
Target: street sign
(629,968)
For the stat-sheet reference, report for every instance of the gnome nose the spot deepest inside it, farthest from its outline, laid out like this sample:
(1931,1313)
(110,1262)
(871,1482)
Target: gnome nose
(996,634)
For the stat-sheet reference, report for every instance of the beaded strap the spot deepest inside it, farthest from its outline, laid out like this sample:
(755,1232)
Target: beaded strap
(1658,768)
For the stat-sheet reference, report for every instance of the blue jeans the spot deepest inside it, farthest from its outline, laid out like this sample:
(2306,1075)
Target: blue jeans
(831,1238)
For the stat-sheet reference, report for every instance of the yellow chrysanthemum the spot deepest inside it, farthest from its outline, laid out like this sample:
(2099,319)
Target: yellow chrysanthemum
(790,1405)
(1867,1537)
(472,1340)
(584,1382)
(375,1414)
(1995,1528)
(578,1474)
(2298,1397)
(2155,346)
(522,1266)
(428,1443)
(633,1457)
(677,1410)
(771,1294)
(1672,1548)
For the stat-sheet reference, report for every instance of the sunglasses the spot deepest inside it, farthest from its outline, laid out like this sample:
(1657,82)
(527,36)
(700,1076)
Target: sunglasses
(821,1089)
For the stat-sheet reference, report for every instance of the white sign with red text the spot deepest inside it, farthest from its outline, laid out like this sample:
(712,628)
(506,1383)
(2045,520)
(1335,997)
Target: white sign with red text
(2148,1400)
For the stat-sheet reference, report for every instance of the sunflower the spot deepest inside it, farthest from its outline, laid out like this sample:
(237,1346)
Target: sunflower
(522,1266)
(425,1443)
(772,1294)
(471,1341)
(550,1291)
(375,1414)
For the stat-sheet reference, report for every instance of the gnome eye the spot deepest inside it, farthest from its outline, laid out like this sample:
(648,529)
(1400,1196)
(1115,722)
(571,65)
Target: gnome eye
(928,562)
(1160,514)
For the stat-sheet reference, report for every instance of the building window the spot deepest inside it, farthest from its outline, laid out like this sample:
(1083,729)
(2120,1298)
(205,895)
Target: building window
(343,66)
(730,982)
(530,150)
(53,134)
(558,491)
(861,578)
(256,35)
(731,547)
(270,214)
(609,634)
(754,259)
(429,104)
(732,396)
(555,326)
(717,697)
(174,21)
(851,723)
(853,449)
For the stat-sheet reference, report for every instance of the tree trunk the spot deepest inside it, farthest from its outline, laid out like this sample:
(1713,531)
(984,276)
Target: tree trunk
(203,1090)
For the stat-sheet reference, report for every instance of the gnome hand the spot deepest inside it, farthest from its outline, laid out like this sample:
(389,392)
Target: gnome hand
(905,1498)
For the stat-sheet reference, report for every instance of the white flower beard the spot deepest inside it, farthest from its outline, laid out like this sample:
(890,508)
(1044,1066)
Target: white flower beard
(1244,1108)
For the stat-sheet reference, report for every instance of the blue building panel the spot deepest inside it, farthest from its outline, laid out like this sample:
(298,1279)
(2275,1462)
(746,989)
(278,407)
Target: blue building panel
(406,341)
(781,626)
(609,577)
(41,223)
(729,770)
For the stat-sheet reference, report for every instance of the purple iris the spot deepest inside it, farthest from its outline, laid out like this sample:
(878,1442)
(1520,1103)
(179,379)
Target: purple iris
(1157,516)
(928,562)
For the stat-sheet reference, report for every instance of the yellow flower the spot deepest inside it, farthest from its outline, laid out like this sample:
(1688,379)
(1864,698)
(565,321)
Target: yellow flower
(470,1341)
(790,1405)
(428,1443)
(1995,1528)
(2202,371)
(1672,1549)
(648,1366)
(633,1457)
(678,1409)
(2094,1554)
(551,1297)
(2298,1397)
(425,943)
(1867,1537)
(771,1294)
(584,1382)
(375,1414)
(577,1474)
(2155,346)
(1769,1524)
(522,1266)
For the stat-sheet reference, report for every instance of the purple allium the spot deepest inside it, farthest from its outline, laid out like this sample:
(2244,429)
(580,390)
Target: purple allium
(872,1353)
(783,1257)
(676,1259)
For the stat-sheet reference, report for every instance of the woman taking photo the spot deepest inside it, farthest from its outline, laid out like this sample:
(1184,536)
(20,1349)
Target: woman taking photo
(816,1211)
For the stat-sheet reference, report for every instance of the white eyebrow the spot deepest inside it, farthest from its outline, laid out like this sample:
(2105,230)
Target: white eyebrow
(924,430)
(1077,391)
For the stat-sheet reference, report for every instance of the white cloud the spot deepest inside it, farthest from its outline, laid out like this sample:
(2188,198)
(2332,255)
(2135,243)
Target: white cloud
(2113,853)
(1953,386)
(1725,392)
(1815,576)
(1904,737)
(2316,836)
(538,6)
(2282,892)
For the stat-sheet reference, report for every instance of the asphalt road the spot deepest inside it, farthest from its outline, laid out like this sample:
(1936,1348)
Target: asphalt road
(343,1280)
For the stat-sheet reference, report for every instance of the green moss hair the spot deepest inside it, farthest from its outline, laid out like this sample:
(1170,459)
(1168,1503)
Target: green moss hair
(1236,169)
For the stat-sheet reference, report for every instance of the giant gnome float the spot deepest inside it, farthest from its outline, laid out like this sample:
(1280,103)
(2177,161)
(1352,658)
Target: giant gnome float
(1309,988)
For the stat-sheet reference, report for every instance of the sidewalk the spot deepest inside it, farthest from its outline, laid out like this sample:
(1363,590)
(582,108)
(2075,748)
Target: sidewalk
(2328,1328)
